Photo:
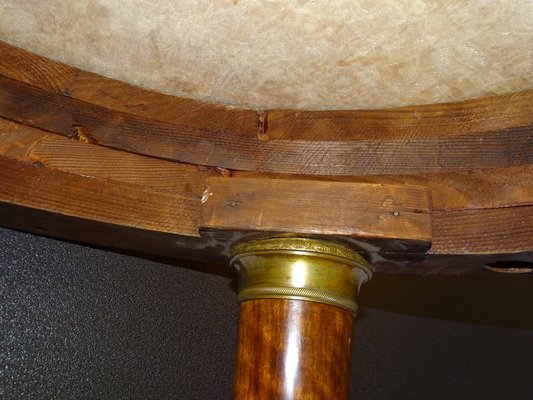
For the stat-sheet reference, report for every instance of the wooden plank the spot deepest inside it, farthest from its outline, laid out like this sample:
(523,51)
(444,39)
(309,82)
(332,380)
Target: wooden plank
(485,133)
(478,189)
(489,188)
(321,208)
(95,199)
(473,190)
(492,188)
(86,159)
(17,140)
(490,231)
(62,79)
(64,154)
(35,70)
(126,216)
(473,116)
(405,124)
(371,156)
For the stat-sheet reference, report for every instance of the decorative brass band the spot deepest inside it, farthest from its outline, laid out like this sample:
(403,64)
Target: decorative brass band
(299,244)
(319,296)
(300,268)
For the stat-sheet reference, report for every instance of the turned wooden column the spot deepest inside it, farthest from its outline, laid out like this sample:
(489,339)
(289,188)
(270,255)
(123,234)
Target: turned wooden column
(297,313)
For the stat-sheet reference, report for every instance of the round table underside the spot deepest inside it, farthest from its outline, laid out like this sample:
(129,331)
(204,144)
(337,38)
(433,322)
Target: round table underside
(295,54)
(75,147)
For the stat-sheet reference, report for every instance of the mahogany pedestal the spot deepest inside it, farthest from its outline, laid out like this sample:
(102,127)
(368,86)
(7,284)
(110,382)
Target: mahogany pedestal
(296,318)
(293,349)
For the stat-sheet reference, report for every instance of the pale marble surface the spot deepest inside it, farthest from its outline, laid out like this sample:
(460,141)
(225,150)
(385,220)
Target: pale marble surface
(289,54)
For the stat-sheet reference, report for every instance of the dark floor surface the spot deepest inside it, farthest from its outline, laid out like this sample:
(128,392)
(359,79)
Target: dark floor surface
(84,323)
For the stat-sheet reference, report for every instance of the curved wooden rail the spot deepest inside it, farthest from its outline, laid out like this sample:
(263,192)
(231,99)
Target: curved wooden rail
(474,159)
(477,134)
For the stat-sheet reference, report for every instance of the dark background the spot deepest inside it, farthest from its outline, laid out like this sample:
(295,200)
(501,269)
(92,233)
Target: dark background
(85,323)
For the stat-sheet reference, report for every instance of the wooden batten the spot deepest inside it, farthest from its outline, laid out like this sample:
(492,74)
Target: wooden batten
(363,210)
(32,186)
(80,158)
(488,231)
(485,133)
(57,78)
(468,190)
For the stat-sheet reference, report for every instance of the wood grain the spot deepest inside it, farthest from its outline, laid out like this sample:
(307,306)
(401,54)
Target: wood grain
(315,207)
(293,349)
(476,189)
(35,70)
(31,185)
(77,157)
(445,120)
(473,190)
(485,133)
(55,77)
(479,189)
(499,197)
(17,140)
(504,230)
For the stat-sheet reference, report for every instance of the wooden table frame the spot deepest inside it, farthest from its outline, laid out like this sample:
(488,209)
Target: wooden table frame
(431,189)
